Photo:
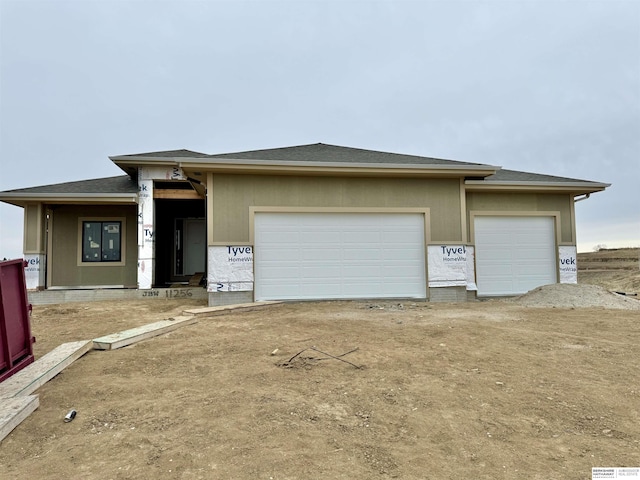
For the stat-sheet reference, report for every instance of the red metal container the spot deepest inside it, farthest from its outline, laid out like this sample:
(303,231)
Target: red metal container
(16,342)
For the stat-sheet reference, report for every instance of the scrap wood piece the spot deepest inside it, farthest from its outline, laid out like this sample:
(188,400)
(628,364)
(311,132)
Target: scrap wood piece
(329,356)
(195,279)
(14,411)
(134,335)
(43,369)
(204,311)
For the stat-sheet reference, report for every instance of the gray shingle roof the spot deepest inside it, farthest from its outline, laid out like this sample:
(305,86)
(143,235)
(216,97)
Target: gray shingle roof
(168,154)
(504,175)
(313,153)
(321,152)
(120,184)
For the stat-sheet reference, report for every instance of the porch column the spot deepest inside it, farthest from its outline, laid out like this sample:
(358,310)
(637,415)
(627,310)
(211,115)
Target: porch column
(34,247)
(146,240)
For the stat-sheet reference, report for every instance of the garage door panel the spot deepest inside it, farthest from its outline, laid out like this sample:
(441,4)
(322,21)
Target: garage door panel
(316,291)
(317,236)
(272,236)
(534,257)
(498,270)
(356,237)
(313,252)
(281,254)
(362,254)
(400,237)
(321,271)
(276,272)
(407,255)
(354,272)
(341,255)
(530,239)
(514,254)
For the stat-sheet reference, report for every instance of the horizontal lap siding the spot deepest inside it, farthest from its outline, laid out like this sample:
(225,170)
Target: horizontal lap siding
(234,195)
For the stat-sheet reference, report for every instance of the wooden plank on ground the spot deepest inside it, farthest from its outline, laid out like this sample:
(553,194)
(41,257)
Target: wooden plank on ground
(134,335)
(221,308)
(44,369)
(14,410)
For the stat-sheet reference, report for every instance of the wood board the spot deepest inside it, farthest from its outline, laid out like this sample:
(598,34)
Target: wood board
(27,380)
(222,308)
(138,334)
(14,410)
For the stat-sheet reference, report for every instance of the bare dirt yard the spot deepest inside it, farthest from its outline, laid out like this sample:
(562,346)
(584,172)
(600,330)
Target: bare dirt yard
(482,390)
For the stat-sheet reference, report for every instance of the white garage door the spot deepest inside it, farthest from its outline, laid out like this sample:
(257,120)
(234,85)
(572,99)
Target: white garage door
(514,254)
(339,255)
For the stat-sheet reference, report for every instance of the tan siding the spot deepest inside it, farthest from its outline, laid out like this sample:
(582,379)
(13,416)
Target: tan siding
(234,194)
(527,202)
(64,268)
(33,228)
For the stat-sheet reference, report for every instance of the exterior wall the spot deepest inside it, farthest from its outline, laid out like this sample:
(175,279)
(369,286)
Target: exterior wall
(526,202)
(64,244)
(232,195)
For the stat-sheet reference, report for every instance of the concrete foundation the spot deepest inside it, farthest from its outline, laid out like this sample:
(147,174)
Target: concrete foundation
(47,297)
(229,298)
(448,294)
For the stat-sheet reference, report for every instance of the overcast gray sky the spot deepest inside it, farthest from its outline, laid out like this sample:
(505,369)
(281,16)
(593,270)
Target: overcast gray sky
(542,86)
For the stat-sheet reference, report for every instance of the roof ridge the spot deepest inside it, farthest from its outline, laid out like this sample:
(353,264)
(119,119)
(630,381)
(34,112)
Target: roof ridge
(343,148)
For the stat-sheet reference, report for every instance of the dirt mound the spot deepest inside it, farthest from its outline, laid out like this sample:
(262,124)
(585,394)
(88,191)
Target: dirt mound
(567,295)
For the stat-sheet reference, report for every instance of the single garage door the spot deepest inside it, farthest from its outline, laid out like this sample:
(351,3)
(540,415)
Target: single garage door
(514,254)
(339,255)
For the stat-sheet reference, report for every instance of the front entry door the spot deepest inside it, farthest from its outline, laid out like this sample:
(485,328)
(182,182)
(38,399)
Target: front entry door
(190,247)
(195,241)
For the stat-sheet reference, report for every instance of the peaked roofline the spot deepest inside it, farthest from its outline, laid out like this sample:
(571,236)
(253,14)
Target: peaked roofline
(318,158)
(312,159)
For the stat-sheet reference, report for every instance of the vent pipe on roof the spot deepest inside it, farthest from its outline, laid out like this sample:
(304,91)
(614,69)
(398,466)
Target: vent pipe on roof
(586,195)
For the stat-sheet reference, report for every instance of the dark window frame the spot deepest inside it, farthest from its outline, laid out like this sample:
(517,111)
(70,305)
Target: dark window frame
(101,241)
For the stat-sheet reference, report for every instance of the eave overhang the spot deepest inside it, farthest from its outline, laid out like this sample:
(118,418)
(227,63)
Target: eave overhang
(575,188)
(23,199)
(193,166)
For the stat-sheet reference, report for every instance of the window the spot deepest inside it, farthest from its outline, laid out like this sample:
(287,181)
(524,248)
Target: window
(101,241)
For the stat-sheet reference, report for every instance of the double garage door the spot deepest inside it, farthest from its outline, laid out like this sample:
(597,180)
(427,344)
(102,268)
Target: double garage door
(514,254)
(339,255)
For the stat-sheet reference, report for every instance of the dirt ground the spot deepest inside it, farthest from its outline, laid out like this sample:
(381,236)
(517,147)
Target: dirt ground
(483,390)
(614,269)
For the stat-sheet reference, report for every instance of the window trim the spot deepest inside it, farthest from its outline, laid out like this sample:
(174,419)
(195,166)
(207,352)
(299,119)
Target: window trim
(123,237)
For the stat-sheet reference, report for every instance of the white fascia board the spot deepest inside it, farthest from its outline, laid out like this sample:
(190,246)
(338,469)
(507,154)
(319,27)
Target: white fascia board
(227,161)
(70,197)
(472,185)
(288,163)
(133,162)
(252,166)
